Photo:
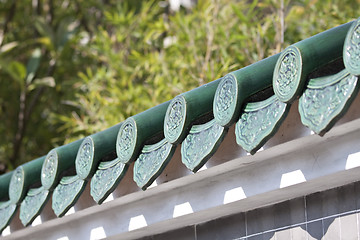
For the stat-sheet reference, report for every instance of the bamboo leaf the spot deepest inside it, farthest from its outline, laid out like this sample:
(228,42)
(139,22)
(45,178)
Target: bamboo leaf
(9,46)
(64,32)
(33,65)
(17,71)
(46,81)
(45,30)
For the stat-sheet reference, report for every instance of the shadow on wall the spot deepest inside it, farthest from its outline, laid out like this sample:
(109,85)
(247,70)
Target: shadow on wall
(331,214)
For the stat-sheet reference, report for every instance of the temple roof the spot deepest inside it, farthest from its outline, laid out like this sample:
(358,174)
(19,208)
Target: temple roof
(320,73)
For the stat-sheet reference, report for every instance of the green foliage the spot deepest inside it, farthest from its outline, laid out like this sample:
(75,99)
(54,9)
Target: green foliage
(71,68)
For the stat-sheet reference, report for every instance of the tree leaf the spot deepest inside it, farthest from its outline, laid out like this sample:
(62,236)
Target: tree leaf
(32,65)
(17,71)
(45,41)
(7,47)
(45,30)
(65,30)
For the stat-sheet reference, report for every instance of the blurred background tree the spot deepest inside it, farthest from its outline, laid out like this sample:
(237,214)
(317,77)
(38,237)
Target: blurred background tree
(71,68)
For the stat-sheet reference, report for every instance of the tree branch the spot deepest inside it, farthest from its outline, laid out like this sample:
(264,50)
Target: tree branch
(39,92)
(20,128)
(83,20)
(25,113)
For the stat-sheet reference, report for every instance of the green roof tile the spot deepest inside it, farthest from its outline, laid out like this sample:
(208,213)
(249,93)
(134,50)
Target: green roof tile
(300,59)
(4,185)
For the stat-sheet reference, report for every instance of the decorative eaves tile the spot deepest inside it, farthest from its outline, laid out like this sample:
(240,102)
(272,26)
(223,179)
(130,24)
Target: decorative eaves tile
(175,120)
(287,75)
(185,109)
(66,193)
(96,148)
(351,50)
(106,178)
(300,59)
(33,204)
(22,177)
(69,189)
(55,162)
(49,170)
(201,143)
(7,210)
(84,161)
(126,141)
(225,101)
(17,185)
(326,99)
(92,149)
(138,129)
(237,86)
(151,162)
(259,122)
(180,114)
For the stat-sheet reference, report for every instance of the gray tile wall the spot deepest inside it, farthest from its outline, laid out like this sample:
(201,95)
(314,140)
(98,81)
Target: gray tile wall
(331,214)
